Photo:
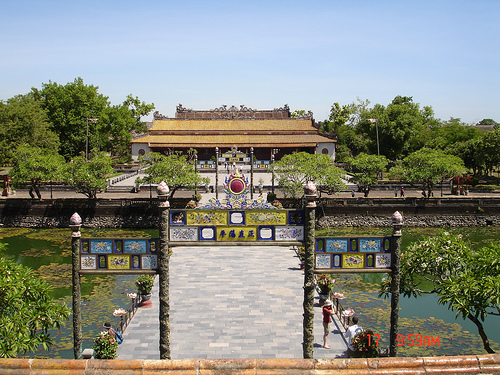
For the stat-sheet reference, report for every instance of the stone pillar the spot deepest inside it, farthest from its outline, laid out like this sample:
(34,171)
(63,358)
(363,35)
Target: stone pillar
(75,223)
(310,193)
(195,171)
(164,271)
(251,172)
(397,223)
(216,187)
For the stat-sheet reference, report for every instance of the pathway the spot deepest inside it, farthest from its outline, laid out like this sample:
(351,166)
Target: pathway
(230,302)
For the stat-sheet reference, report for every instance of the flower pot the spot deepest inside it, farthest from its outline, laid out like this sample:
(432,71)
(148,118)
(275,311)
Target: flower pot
(146,300)
(323,298)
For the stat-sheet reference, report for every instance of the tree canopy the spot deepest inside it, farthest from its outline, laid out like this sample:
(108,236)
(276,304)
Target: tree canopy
(89,177)
(23,122)
(177,170)
(73,107)
(366,169)
(35,165)
(295,170)
(465,280)
(426,167)
(27,310)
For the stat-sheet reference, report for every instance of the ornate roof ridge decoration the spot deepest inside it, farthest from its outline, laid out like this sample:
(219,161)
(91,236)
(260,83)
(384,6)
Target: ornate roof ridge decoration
(234,113)
(306,116)
(158,116)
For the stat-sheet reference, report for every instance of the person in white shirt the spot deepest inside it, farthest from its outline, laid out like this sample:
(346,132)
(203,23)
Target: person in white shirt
(350,334)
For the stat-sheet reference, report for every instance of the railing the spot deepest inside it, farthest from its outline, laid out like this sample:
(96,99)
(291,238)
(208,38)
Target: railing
(338,309)
(126,318)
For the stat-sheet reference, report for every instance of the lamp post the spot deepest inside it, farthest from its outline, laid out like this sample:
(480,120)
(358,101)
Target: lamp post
(374,121)
(93,121)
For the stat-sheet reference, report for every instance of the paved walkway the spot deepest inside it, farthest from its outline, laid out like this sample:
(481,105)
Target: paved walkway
(230,302)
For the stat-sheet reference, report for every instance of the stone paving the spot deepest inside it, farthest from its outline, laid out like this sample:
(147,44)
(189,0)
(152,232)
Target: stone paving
(230,302)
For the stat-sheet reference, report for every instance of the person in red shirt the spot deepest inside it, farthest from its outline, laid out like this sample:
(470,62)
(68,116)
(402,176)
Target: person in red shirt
(327,321)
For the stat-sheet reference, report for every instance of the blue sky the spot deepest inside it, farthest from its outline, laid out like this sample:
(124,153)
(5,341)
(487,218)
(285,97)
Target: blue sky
(262,54)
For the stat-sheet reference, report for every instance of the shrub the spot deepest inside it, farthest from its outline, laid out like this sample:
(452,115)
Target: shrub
(144,284)
(365,345)
(105,346)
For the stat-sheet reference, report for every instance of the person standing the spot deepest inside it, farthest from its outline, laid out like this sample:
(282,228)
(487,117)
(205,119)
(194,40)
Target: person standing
(350,334)
(327,321)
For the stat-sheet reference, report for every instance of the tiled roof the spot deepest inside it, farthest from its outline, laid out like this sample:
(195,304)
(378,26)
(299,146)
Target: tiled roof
(269,140)
(211,133)
(233,125)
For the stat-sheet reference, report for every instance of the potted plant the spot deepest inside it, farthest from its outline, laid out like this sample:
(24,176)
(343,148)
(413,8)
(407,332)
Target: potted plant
(271,197)
(276,203)
(365,345)
(325,283)
(301,253)
(105,346)
(191,204)
(144,285)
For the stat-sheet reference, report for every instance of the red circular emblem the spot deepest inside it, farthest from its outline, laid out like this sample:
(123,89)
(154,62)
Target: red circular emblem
(237,186)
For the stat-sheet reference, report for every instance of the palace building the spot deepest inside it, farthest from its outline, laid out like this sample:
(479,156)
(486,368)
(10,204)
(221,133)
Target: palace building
(234,133)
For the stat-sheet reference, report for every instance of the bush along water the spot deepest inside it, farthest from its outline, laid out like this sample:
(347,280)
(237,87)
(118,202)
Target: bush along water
(105,346)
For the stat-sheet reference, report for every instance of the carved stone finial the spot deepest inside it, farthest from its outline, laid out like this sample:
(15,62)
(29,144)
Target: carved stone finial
(397,222)
(75,219)
(162,189)
(310,192)
(75,222)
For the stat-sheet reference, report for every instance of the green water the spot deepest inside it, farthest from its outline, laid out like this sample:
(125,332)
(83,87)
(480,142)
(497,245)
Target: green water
(49,252)
(422,315)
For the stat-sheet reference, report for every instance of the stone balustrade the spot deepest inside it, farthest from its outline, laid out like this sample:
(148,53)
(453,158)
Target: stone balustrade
(472,364)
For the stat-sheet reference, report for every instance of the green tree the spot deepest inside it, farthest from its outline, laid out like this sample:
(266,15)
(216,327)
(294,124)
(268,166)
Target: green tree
(450,134)
(118,123)
(295,170)
(489,150)
(342,122)
(27,310)
(176,169)
(23,122)
(426,167)
(89,177)
(35,165)
(70,106)
(402,127)
(366,169)
(489,121)
(465,280)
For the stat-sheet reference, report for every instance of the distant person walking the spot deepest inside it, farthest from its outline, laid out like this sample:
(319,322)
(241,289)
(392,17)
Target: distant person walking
(350,334)
(395,192)
(402,192)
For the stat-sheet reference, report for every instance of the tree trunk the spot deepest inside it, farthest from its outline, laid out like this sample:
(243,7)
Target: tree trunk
(480,330)
(309,284)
